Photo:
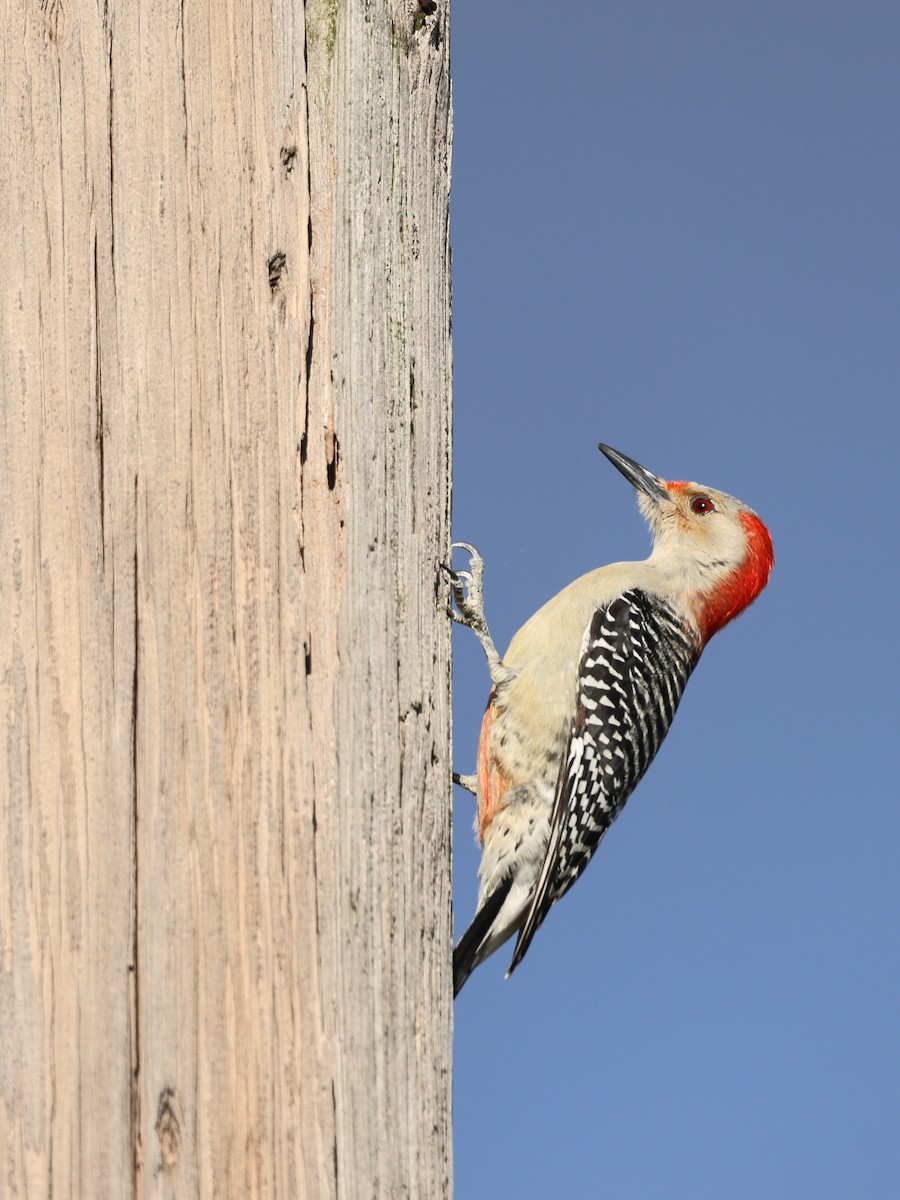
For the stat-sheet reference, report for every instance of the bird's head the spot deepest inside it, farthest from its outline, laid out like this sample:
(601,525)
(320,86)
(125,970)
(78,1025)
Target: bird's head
(713,552)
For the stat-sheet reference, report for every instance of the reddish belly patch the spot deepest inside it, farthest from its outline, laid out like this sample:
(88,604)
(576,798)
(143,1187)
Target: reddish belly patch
(492,780)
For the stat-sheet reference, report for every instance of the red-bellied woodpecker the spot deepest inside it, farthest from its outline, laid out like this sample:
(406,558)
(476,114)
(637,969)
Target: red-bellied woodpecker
(585,694)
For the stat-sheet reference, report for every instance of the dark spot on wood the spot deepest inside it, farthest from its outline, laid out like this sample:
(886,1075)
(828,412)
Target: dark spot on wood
(426,9)
(333,452)
(307,654)
(288,157)
(276,265)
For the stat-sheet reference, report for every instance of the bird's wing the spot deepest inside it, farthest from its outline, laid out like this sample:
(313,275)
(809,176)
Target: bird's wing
(636,659)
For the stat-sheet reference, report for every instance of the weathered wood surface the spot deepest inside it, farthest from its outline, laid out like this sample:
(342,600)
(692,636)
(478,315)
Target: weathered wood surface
(224,474)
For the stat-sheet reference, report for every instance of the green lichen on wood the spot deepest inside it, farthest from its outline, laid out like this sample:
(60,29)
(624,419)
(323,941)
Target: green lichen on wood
(322,27)
(331,8)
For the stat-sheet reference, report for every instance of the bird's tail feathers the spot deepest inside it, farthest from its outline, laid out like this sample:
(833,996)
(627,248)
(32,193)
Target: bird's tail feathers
(468,952)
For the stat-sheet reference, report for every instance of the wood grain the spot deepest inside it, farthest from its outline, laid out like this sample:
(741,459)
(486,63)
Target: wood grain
(224,653)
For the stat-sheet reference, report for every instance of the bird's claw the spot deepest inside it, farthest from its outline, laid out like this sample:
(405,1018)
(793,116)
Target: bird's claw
(475,577)
(458,581)
(467,588)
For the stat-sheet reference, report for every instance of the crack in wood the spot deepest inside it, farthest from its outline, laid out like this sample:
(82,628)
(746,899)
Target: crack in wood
(304,436)
(98,405)
(332,456)
(135,1114)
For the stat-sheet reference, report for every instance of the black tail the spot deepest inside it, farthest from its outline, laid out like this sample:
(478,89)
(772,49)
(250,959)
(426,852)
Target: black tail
(465,956)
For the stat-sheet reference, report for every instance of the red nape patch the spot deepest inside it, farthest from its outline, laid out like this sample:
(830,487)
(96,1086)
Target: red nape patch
(745,584)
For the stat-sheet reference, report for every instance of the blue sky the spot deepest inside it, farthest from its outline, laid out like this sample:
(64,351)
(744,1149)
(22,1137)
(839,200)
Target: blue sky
(676,229)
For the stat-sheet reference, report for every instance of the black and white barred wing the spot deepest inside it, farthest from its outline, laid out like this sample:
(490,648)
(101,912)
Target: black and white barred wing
(635,662)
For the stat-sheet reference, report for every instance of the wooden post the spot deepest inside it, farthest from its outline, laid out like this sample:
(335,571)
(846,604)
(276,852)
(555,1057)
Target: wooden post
(224,497)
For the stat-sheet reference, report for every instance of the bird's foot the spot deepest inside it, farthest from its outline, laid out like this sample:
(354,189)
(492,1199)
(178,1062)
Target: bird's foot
(469,782)
(468,592)
(467,588)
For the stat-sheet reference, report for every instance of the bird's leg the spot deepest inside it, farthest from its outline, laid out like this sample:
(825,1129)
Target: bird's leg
(469,782)
(468,593)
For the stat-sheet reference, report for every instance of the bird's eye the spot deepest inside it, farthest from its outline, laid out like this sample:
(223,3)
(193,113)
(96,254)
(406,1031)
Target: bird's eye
(702,505)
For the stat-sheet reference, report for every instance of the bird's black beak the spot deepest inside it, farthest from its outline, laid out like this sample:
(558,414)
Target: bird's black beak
(637,476)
